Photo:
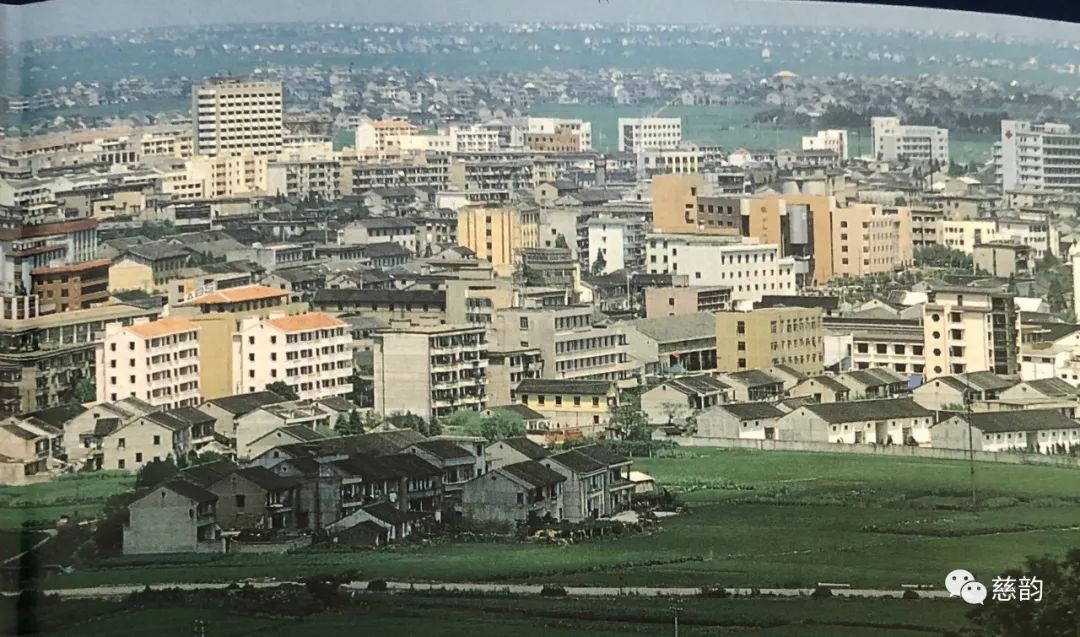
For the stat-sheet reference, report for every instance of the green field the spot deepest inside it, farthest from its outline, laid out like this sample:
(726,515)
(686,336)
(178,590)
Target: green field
(480,617)
(79,495)
(754,519)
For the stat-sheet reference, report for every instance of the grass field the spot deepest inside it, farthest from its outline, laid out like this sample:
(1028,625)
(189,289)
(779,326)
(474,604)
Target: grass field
(754,519)
(480,617)
(79,495)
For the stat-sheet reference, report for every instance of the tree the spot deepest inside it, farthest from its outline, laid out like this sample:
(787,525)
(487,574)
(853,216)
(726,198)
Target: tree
(283,389)
(628,418)
(349,424)
(600,264)
(409,420)
(939,256)
(1055,614)
(363,390)
(155,472)
(499,425)
(560,242)
(84,391)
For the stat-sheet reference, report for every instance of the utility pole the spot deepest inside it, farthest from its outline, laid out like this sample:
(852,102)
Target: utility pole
(199,629)
(971,440)
(675,608)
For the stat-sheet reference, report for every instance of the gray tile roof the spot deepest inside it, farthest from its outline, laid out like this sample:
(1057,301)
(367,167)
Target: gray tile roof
(754,378)
(1052,387)
(1019,420)
(684,327)
(534,473)
(525,447)
(524,412)
(190,490)
(240,404)
(830,383)
(751,411)
(864,410)
(697,384)
(566,387)
(579,462)
(444,449)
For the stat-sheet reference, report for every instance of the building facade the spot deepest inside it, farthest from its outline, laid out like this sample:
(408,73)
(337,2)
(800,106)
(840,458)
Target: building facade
(233,115)
(765,338)
(311,353)
(156,361)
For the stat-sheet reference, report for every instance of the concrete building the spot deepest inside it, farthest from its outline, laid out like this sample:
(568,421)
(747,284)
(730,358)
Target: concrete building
(1046,431)
(896,421)
(311,353)
(764,338)
(570,345)
(749,421)
(72,287)
(507,368)
(751,270)
(525,491)
(964,235)
(868,239)
(683,343)
(1004,260)
(835,140)
(304,178)
(25,248)
(176,517)
(431,371)
(690,299)
(497,234)
(378,137)
(1033,156)
(970,330)
(156,361)
(681,399)
(896,142)
(218,314)
(575,408)
(553,134)
(382,230)
(638,134)
(234,114)
(683,204)
(621,242)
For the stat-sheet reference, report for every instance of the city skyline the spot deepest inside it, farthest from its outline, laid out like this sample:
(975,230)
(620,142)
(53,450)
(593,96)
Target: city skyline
(67,17)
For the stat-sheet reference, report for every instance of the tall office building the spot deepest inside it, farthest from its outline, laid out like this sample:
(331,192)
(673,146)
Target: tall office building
(1038,157)
(894,141)
(234,115)
(638,134)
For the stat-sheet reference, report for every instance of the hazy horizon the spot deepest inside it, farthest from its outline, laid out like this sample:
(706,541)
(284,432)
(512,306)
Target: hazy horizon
(79,17)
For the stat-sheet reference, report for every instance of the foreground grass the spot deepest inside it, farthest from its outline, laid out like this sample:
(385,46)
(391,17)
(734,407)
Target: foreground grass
(480,617)
(79,495)
(755,519)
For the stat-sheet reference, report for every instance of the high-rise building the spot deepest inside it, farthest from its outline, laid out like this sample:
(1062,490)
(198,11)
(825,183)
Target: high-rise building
(155,361)
(970,330)
(496,234)
(1038,157)
(896,142)
(835,140)
(637,134)
(311,353)
(236,114)
(763,338)
(431,371)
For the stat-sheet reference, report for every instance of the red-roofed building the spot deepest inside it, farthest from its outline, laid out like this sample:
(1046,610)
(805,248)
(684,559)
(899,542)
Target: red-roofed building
(311,352)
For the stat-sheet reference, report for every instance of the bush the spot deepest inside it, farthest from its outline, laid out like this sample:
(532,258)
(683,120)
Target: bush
(822,592)
(377,585)
(910,594)
(552,590)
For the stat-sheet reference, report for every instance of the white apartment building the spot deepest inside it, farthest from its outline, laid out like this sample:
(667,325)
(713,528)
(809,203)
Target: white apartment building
(684,160)
(320,178)
(751,270)
(156,361)
(893,141)
(964,235)
(621,241)
(570,345)
(235,114)
(215,177)
(472,139)
(382,136)
(638,134)
(311,353)
(1038,157)
(550,125)
(431,371)
(832,139)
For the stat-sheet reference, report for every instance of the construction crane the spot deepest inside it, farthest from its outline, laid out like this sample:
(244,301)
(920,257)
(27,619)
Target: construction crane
(663,108)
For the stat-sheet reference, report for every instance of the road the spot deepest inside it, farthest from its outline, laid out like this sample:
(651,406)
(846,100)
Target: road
(113,592)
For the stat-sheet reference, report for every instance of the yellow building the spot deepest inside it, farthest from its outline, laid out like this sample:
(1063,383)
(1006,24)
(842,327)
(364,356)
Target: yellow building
(576,407)
(218,316)
(870,239)
(764,338)
(496,234)
(131,275)
(965,235)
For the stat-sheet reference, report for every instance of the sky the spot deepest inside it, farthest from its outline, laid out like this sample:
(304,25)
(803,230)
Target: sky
(78,17)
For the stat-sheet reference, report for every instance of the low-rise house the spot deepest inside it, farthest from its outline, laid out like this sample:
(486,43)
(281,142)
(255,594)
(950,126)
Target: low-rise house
(85,432)
(176,517)
(227,410)
(458,461)
(753,385)
(24,454)
(250,497)
(597,482)
(686,342)
(822,389)
(755,421)
(681,399)
(536,424)
(887,421)
(1046,431)
(254,425)
(1042,390)
(519,492)
(288,435)
(951,393)
(513,450)
(583,406)
(876,382)
(155,436)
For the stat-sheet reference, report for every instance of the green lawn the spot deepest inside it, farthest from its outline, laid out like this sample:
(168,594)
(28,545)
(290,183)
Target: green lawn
(79,495)
(480,617)
(755,519)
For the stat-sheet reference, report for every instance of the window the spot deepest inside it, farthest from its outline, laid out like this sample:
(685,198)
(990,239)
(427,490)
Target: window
(540,399)
(121,443)
(157,440)
(138,457)
(577,401)
(595,401)
(520,498)
(241,500)
(558,401)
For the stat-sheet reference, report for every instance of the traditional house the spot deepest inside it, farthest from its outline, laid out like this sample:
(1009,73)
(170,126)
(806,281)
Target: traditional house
(1046,431)
(515,493)
(513,450)
(822,389)
(753,385)
(175,517)
(681,399)
(888,421)
(739,420)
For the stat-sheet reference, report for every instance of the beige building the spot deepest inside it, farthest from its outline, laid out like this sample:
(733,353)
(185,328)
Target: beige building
(234,114)
(157,361)
(380,136)
(1004,260)
(681,205)
(311,353)
(497,234)
(869,239)
(689,299)
(574,407)
(218,315)
(791,336)
(964,235)
(970,330)
(431,371)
